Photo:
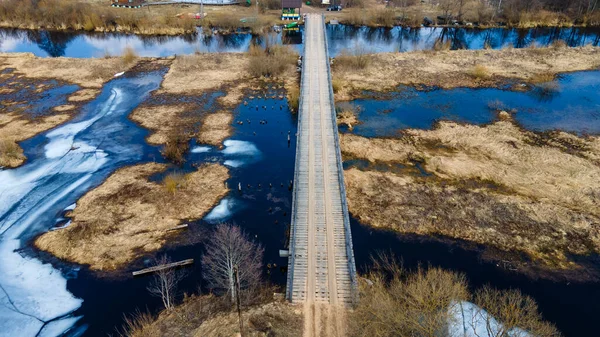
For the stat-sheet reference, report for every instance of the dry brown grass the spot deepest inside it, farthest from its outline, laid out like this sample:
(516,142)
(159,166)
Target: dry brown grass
(480,72)
(495,185)
(161,119)
(203,72)
(211,315)
(347,114)
(128,215)
(271,61)
(11,154)
(88,73)
(410,304)
(129,56)
(541,77)
(15,128)
(396,302)
(176,146)
(215,128)
(293,96)
(451,69)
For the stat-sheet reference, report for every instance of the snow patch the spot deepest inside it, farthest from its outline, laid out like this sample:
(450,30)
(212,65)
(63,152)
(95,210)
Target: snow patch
(240,147)
(469,320)
(70,207)
(233,163)
(200,149)
(221,212)
(119,74)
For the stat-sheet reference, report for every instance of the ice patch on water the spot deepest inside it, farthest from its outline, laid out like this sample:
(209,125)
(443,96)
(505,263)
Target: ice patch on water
(61,139)
(37,291)
(221,212)
(469,320)
(58,327)
(61,227)
(200,149)
(240,147)
(233,163)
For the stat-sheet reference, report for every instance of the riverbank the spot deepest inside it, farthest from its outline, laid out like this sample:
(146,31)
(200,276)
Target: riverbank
(38,94)
(129,215)
(528,195)
(166,20)
(355,73)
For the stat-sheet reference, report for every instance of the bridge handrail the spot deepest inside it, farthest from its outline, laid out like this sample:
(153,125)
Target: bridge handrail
(291,248)
(349,247)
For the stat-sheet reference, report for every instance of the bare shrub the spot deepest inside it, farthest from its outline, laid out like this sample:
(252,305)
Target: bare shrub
(164,284)
(129,56)
(480,72)
(359,58)
(541,78)
(396,303)
(559,44)
(515,311)
(293,96)
(176,147)
(336,85)
(231,248)
(271,60)
(139,325)
(174,181)
(383,17)
(10,153)
(440,45)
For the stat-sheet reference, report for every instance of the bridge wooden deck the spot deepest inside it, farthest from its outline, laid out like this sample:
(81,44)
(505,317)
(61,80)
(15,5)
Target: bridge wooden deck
(321,262)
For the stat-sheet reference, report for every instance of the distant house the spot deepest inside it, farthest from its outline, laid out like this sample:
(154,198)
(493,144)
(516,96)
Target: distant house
(128,3)
(291,9)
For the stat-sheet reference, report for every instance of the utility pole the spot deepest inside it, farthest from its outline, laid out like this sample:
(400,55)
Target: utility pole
(237,296)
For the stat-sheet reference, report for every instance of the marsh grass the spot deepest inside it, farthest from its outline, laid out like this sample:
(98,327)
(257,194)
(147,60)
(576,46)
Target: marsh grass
(174,181)
(176,147)
(293,96)
(336,85)
(514,177)
(129,56)
(270,61)
(129,215)
(541,77)
(480,72)
(398,302)
(358,58)
(10,153)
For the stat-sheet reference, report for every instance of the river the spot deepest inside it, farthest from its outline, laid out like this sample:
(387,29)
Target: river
(341,37)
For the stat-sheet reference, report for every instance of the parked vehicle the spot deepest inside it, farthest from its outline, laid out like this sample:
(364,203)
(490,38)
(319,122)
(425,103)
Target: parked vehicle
(336,8)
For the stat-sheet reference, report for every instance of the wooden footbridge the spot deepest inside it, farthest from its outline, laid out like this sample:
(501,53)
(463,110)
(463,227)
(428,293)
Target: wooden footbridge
(321,266)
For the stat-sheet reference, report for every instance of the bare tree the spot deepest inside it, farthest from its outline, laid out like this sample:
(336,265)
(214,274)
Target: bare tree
(164,284)
(509,313)
(228,248)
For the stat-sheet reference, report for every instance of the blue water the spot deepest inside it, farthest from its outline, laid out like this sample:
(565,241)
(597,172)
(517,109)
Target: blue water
(574,106)
(341,37)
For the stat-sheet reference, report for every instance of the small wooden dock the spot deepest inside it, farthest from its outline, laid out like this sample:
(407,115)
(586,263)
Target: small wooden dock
(164,266)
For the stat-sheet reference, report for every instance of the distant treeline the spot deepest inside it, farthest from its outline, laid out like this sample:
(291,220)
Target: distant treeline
(73,15)
(524,13)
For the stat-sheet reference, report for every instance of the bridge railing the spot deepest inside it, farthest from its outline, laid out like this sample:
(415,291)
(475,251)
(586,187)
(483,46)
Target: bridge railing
(348,232)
